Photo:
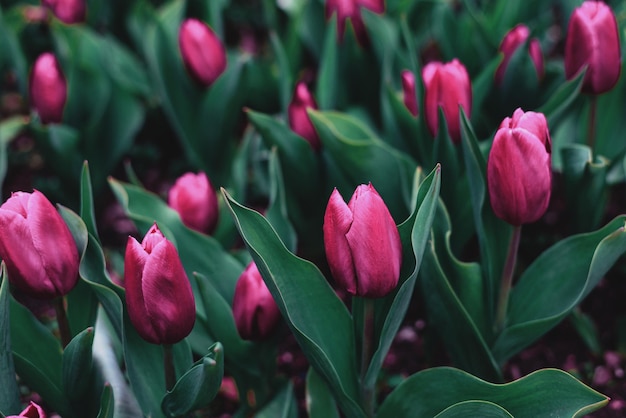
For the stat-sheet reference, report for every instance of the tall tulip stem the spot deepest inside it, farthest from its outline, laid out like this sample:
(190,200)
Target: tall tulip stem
(367,351)
(507,278)
(168,365)
(591,129)
(62,323)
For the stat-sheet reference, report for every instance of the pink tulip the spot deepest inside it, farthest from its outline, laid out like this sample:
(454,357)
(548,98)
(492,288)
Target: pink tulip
(194,198)
(67,11)
(514,39)
(299,120)
(408,89)
(159,298)
(362,243)
(447,86)
(518,169)
(203,53)
(351,9)
(32,411)
(254,309)
(593,41)
(48,88)
(37,246)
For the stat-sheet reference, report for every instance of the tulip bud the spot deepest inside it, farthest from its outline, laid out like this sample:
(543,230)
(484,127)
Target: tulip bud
(408,88)
(48,88)
(159,298)
(37,246)
(510,43)
(194,198)
(593,41)
(518,169)
(32,411)
(67,11)
(299,120)
(203,53)
(447,86)
(362,243)
(350,9)
(254,309)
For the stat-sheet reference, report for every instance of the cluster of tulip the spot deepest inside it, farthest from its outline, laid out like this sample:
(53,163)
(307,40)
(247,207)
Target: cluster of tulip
(214,286)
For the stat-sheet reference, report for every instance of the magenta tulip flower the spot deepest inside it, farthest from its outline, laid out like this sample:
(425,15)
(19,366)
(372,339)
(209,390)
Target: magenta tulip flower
(447,86)
(32,411)
(203,53)
(254,309)
(195,200)
(593,42)
(514,39)
(48,89)
(67,11)
(408,89)
(37,246)
(519,175)
(299,120)
(362,243)
(351,9)
(159,298)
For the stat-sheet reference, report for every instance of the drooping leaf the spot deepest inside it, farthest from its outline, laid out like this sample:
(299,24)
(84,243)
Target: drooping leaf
(10,395)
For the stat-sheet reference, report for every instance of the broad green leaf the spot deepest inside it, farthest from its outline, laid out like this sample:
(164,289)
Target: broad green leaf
(285,81)
(319,399)
(481,409)
(562,99)
(308,304)
(78,365)
(277,210)
(283,405)
(328,79)
(107,403)
(430,392)
(9,395)
(556,282)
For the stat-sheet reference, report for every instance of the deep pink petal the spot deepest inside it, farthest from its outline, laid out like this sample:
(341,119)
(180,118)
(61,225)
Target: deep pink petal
(408,89)
(299,120)
(337,223)
(203,53)
(194,198)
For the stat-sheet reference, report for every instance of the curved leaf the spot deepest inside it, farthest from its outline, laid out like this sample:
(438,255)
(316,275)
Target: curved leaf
(481,409)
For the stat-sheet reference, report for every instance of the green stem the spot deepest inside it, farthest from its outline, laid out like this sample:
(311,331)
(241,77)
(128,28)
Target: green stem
(168,366)
(62,323)
(367,351)
(591,129)
(507,278)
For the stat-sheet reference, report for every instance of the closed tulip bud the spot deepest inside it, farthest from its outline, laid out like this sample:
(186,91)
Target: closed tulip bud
(408,89)
(32,411)
(203,53)
(254,309)
(514,39)
(195,200)
(518,169)
(299,120)
(67,11)
(351,9)
(593,41)
(159,298)
(48,88)
(37,246)
(447,86)
(362,243)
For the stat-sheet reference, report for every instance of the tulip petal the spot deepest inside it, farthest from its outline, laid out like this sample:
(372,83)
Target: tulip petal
(337,223)
(134,262)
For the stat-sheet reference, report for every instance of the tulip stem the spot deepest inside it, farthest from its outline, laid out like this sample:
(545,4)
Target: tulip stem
(168,365)
(591,129)
(507,278)
(62,323)
(367,351)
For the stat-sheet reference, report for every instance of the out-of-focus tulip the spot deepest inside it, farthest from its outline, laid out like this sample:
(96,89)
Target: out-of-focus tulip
(194,198)
(299,120)
(447,86)
(593,41)
(48,88)
(159,298)
(203,53)
(362,243)
(67,11)
(37,246)
(408,89)
(351,9)
(511,42)
(32,411)
(254,309)
(518,169)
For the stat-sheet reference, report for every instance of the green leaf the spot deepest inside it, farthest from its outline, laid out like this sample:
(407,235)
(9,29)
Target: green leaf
(308,304)
(283,405)
(9,128)
(107,403)
(562,99)
(277,210)
(328,78)
(319,398)
(430,392)
(556,282)
(78,365)
(9,395)
(482,409)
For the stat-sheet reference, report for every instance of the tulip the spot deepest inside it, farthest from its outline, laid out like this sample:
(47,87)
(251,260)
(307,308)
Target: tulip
(37,246)
(32,411)
(254,309)
(593,41)
(408,88)
(67,11)
(514,39)
(299,120)
(203,53)
(362,243)
(48,88)
(159,298)
(446,86)
(194,198)
(518,168)
(351,9)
